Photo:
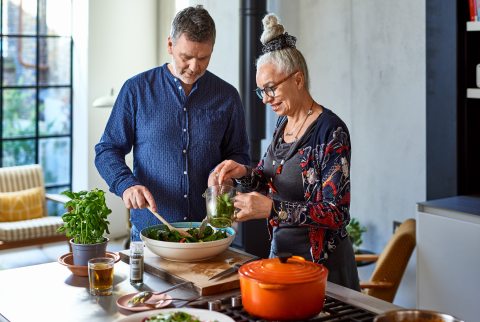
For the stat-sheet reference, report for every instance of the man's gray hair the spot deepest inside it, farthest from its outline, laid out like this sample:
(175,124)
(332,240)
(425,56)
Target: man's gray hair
(196,23)
(285,56)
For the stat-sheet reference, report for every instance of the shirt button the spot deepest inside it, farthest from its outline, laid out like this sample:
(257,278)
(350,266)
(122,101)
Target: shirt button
(184,151)
(184,130)
(185,109)
(184,172)
(179,87)
(175,79)
(185,218)
(185,196)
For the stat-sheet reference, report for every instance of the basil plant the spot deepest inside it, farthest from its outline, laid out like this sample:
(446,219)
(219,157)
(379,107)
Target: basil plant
(86,218)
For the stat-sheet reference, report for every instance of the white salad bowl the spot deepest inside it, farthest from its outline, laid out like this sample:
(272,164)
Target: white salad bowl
(187,252)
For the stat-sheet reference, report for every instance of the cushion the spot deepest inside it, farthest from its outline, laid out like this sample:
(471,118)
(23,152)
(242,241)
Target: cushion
(29,229)
(21,205)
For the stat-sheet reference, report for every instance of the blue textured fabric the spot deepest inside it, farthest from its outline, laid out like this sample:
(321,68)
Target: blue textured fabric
(177,140)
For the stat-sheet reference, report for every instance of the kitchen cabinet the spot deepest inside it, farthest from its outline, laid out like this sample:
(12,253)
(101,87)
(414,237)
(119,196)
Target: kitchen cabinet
(452,100)
(469,111)
(448,260)
(473,90)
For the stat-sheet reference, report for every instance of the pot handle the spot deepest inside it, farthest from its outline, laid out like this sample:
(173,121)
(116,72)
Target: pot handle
(271,286)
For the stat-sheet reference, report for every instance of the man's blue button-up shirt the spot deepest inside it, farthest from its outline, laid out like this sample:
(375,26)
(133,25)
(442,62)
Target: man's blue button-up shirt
(176,139)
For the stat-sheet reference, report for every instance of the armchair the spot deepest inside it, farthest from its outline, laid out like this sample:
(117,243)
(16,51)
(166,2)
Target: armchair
(391,263)
(23,214)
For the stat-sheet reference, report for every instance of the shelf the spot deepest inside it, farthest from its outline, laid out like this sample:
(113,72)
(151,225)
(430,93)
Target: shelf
(473,25)
(473,92)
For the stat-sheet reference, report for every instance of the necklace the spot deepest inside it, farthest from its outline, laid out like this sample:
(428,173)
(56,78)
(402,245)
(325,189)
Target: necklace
(310,112)
(294,145)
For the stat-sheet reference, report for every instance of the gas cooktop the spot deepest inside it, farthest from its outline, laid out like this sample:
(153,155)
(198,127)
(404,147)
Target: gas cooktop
(333,310)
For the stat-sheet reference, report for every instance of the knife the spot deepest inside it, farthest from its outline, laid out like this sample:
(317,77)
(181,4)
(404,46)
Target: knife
(231,270)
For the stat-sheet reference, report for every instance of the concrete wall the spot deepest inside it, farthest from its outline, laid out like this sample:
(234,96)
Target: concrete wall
(367,63)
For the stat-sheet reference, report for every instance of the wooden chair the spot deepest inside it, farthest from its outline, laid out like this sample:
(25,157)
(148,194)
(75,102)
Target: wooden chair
(391,263)
(28,232)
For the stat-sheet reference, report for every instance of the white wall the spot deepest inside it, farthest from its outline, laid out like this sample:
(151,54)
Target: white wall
(367,63)
(120,39)
(225,58)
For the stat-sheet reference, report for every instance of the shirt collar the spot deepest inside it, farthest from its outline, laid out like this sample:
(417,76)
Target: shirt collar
(175,79)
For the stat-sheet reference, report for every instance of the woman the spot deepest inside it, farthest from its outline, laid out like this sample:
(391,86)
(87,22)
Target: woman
(302,184)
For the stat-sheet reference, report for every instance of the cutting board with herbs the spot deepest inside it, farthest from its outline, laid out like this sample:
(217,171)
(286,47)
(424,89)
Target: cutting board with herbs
(196,272)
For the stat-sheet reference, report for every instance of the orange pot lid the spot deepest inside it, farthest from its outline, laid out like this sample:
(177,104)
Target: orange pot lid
(285,270)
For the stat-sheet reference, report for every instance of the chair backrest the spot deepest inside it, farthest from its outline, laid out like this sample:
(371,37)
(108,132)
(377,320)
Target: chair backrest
(392,262)
(21,177)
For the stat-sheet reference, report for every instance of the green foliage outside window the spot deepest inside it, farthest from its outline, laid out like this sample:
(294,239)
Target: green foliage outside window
(18,113)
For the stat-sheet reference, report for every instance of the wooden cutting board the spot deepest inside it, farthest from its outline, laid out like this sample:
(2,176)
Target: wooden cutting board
(196,272)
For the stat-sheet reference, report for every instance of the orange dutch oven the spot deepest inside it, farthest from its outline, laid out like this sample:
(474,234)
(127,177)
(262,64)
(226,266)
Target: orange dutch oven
(285,288)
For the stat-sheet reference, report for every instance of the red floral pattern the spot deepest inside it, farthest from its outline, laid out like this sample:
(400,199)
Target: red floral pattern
(325,167)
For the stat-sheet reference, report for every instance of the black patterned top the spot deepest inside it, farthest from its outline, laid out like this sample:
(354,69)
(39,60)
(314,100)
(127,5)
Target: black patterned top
(324,163)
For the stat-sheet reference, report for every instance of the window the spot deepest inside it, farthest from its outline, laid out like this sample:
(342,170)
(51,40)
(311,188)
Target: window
(36,88)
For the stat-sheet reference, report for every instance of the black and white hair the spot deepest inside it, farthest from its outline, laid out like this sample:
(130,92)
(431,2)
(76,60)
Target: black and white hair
(279,49)
(196,23)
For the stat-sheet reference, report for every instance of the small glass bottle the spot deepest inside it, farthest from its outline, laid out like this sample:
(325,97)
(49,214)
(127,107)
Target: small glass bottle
(136,262)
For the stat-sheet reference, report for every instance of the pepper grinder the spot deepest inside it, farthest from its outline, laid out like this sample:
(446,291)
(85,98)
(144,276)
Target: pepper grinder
(136,262)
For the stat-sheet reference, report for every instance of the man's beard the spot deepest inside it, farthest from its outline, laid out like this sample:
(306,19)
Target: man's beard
(182,78)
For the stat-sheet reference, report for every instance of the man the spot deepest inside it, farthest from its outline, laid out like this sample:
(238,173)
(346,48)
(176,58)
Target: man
(181,121)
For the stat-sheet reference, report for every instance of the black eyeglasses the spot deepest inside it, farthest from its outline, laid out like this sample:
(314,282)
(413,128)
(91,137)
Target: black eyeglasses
(270,90)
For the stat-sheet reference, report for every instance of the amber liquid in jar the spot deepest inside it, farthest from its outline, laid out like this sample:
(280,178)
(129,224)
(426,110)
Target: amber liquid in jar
(101,279)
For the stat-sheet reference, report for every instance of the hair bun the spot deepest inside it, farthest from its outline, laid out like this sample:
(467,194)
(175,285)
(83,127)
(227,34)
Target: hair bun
(271,28)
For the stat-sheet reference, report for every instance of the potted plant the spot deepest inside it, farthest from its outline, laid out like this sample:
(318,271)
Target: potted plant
(85,222)
(355,231)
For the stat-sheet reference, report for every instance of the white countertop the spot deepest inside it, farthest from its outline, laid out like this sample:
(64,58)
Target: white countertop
(49,292)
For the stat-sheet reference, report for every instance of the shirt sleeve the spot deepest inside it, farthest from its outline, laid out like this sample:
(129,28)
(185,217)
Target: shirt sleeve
(257,180)
(116,142)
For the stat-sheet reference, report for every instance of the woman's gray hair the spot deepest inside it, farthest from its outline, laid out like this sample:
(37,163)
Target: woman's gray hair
(279,49)
(196,23)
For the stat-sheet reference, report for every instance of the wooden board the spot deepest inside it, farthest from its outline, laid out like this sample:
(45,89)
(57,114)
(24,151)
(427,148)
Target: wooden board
(196,272)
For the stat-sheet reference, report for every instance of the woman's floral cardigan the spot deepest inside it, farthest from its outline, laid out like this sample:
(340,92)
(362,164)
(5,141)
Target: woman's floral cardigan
(325,165)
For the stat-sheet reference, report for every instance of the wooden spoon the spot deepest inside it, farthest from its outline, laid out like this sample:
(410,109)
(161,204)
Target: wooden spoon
(166,223)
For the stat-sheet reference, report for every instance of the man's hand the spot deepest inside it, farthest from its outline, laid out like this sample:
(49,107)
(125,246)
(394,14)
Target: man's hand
(138,197)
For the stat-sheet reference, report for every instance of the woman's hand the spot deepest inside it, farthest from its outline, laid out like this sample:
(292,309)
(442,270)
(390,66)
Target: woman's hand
(252,205)
(228,170)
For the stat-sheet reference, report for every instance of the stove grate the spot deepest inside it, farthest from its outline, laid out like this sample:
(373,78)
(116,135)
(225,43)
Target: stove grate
(333,311)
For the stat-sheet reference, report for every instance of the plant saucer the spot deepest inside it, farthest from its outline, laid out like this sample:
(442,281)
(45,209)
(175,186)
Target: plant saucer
(79,270)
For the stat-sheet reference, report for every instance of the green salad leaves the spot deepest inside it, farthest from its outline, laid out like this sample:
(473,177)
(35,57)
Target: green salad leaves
(172,317)
(224,210)
(165,234)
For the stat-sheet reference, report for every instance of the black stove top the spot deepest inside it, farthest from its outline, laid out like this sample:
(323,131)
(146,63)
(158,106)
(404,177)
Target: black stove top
(333,310)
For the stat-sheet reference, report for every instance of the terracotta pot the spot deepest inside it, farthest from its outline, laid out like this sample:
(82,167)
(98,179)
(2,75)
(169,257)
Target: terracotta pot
(287,288)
